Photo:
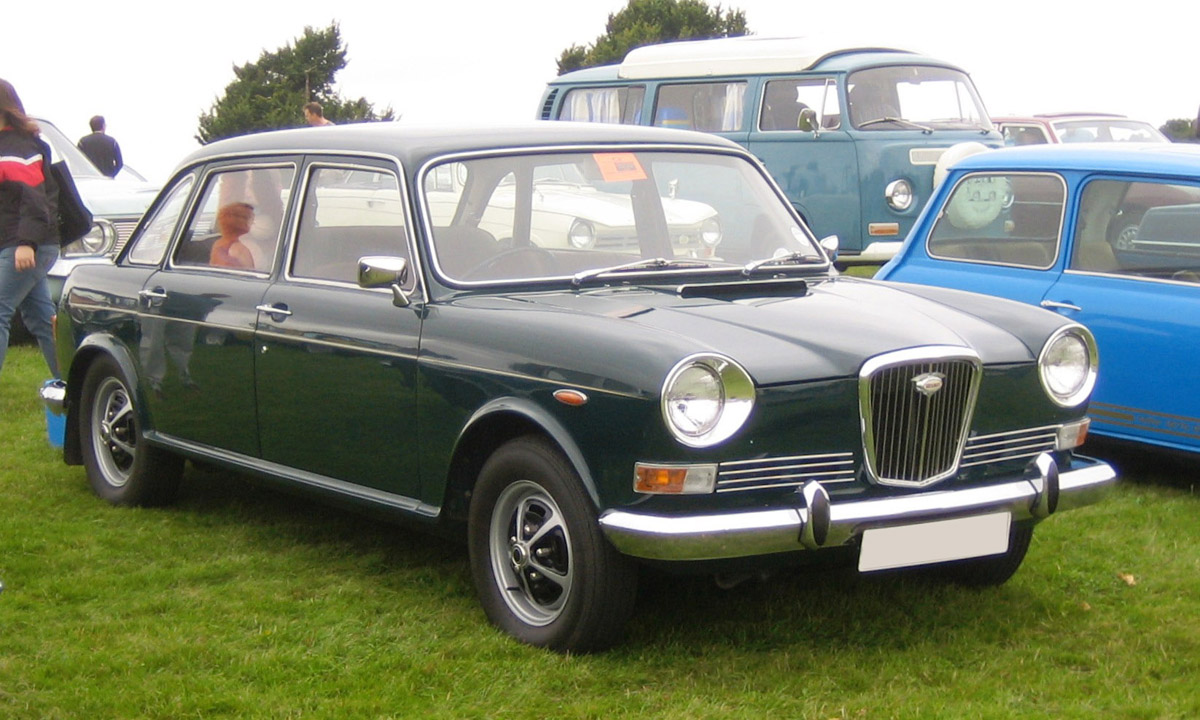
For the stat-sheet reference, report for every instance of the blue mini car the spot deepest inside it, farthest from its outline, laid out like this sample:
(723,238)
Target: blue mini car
(1107,236)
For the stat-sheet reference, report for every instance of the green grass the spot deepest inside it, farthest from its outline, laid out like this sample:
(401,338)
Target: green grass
(242,602)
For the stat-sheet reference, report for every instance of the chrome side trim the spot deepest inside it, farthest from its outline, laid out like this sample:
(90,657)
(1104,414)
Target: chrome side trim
(275,471)
(761,532)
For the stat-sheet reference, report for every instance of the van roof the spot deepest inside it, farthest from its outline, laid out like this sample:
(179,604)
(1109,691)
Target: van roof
(748,55)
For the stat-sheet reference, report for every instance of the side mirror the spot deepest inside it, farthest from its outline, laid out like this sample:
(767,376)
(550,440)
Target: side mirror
(808,121)
(829,244)
(378,271)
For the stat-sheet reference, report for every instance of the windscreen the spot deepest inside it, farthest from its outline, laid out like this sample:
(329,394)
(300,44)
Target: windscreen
(899,97)
(543,215)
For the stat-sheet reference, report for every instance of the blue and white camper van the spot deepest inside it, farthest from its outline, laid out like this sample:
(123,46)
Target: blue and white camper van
(853,135)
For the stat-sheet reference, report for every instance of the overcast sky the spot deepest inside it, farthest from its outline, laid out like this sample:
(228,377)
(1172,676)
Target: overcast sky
(152,67)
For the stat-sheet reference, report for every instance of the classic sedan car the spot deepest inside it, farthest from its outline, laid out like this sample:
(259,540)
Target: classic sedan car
(116,204)
(570,411)
(1075,128)
(1106,236)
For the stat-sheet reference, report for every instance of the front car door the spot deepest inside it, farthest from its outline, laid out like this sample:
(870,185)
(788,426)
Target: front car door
(336,363)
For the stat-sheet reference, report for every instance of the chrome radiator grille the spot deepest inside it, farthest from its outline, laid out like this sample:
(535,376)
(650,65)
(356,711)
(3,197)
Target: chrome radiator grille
(916,407)
(124,229)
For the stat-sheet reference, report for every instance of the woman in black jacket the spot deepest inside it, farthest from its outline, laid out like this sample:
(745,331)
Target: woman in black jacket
(28,227)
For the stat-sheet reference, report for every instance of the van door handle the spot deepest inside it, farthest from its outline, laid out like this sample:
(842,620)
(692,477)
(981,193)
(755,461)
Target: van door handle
(1051,304)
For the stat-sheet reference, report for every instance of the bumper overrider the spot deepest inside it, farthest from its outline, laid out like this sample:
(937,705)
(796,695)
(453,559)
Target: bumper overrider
(816,522)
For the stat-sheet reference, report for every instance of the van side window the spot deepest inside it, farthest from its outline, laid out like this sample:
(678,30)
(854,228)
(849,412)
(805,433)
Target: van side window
(621,105)
(784,99)
(708,107)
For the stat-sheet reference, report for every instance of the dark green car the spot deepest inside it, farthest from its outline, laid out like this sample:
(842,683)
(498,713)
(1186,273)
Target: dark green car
(583,348)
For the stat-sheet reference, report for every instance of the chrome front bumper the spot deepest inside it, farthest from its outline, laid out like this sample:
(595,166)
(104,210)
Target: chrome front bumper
(816,522)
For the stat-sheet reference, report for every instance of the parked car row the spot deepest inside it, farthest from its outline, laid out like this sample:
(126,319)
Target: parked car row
(405,327)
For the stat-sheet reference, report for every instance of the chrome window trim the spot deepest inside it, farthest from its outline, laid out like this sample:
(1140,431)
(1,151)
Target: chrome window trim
(1133,278)
(1058,245)
(427,223)
(345,161)
(274,160)
(169,251)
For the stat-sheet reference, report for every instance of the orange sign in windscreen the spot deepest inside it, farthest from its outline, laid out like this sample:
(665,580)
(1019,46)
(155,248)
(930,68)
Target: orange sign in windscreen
(619,167)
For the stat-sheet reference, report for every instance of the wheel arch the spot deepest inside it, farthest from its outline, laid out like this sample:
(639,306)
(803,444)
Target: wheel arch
(497,422)
(92,348)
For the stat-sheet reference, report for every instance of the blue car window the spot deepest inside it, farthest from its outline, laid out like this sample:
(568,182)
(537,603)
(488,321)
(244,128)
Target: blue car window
(1143,229)
(1002,219)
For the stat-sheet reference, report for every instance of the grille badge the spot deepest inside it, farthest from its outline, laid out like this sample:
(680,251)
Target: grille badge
(929,383)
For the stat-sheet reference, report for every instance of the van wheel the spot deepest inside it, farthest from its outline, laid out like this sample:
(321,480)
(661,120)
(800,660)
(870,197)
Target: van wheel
(993,570)
(542,568)
(121,467)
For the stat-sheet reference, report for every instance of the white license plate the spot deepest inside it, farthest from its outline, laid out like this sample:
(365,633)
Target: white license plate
(934,542)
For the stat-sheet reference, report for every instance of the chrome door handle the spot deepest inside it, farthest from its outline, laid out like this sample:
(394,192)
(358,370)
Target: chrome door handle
(274,310)
(155,294)
(1060,306)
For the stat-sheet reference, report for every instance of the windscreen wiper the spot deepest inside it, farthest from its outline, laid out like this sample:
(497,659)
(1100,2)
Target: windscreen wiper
(657,263)
(900,121)
(799,257)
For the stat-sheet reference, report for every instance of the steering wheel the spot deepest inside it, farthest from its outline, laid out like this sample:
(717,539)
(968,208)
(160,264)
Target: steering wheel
(540,263)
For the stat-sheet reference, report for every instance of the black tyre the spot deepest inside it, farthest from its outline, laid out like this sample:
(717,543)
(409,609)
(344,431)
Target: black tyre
(121,467)
(994,569)
(542,568)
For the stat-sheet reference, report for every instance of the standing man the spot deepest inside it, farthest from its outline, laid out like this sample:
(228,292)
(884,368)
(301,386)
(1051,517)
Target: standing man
(103,151)
(315,115)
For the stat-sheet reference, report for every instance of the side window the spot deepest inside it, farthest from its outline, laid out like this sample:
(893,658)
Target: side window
(1144,229)
(709,107)
(148,247)
(1023,135)
(1004,219)
(607,105)
(783,100)
(238,220)
(348,213)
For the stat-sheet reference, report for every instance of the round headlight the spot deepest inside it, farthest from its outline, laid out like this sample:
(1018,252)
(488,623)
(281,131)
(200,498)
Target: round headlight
(710,232)
(1067,365)
(582,235)
(98,241)
(706,399)
(94,242)
(899,195)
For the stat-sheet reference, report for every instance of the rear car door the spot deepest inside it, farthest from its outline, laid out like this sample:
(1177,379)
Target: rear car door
(198,316)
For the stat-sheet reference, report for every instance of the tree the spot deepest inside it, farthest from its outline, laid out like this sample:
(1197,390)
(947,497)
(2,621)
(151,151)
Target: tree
(268,94)
(1180,130)
(647,22)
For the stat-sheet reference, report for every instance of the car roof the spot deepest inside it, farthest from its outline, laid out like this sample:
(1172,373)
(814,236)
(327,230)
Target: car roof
(1164,158)
(1047,117)
(746,56)
(413,145)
